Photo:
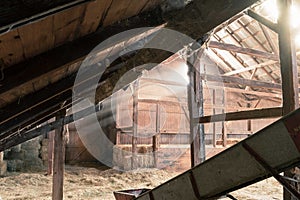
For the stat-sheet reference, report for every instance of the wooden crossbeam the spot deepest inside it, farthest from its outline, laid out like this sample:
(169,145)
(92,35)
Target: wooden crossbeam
(238,71)
(241,81)
(243,50)
(243,115)
(263,20)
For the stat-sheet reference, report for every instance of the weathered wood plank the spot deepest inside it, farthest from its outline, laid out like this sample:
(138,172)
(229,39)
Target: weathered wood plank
(66,24)
(93,16)
(42,41)
(116,11)
(11,51)
(243,50)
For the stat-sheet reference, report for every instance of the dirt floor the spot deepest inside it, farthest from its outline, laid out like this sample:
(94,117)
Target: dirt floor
(99,183)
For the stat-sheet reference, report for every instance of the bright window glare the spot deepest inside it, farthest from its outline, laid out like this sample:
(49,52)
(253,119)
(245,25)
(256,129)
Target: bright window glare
(271,9)
(297,40)
(294,18)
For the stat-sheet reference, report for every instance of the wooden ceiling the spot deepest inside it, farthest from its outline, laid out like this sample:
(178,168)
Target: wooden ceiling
(39,57)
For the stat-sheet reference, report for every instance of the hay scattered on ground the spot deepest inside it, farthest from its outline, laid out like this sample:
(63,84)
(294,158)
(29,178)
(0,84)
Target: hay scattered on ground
(99,183)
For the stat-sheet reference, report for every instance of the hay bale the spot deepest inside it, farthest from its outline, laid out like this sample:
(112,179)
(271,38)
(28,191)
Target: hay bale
(3,168)
(14,165)
(13,155)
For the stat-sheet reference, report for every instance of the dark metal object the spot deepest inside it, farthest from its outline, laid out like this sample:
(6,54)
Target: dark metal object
(129,194)
(274,172)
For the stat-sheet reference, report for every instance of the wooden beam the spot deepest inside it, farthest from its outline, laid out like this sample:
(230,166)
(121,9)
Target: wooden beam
(243,115)
(194,19)
(243,50)
(264,64)
(259,43)
(22,136)
(241,81)
(289,70)
(288,65)
(214,140)
(156,137)
(135,100)
(263,20)
(234,54)
(272,44)
(58,160)
(50,151)
(195,108)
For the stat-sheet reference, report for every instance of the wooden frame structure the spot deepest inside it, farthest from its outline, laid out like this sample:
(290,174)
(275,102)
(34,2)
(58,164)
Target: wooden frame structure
(37,96)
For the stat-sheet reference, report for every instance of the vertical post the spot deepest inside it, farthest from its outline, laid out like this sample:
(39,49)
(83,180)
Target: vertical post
(288,66)
(50,152)
(118,139)
(59,160)
(195,105)
(249,121)
(156,137)
(3,164)
(135,124)
(224,130)
(214,139)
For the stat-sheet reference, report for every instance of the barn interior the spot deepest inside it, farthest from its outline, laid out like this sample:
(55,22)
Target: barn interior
(110,87)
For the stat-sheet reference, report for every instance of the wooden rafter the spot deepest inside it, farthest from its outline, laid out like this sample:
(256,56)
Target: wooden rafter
(262,46)
(267,63)
(234,54)
(243,50)
(269,39)
(263,20)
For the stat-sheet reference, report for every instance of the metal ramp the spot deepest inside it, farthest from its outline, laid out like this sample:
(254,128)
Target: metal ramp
(267,153)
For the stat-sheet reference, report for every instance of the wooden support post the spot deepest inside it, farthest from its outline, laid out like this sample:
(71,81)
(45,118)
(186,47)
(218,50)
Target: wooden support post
(214,139)
(50,152)
(288,65)
(3,164)
(135,97)
(59,160)
(156,137)
(118,138)
(195,105)
(249,122)
(224,130)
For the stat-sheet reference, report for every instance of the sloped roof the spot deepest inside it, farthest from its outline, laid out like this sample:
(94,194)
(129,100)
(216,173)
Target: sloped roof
(39,58)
